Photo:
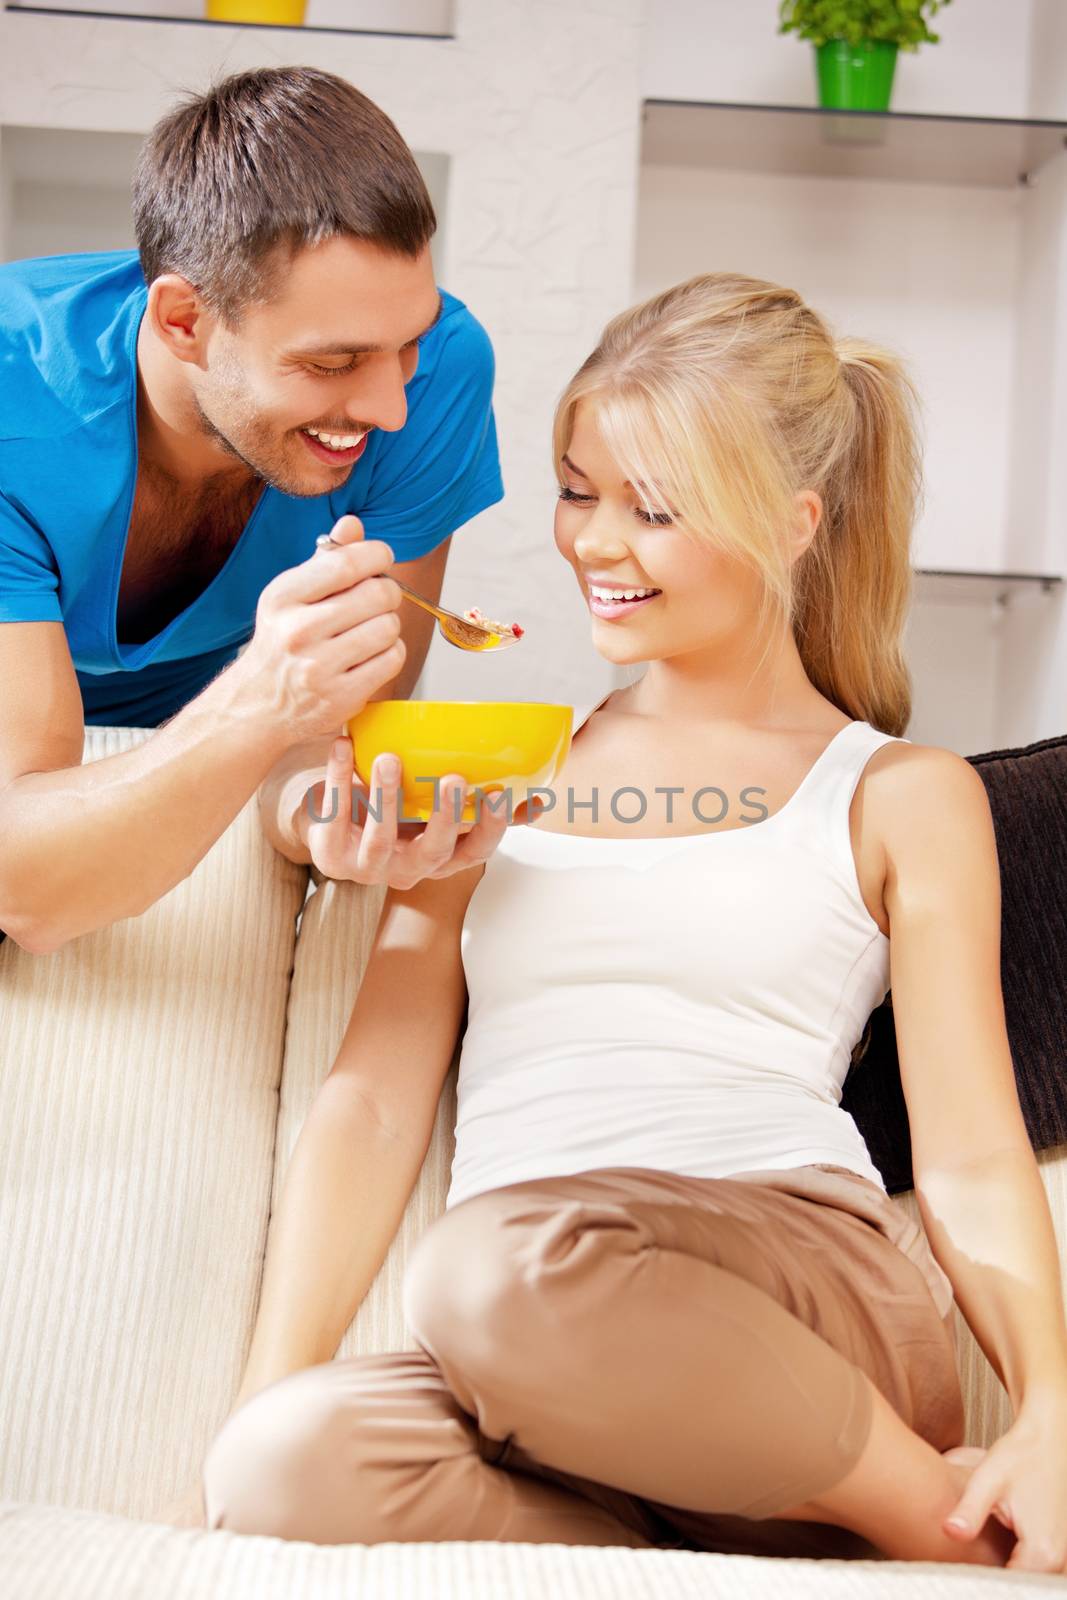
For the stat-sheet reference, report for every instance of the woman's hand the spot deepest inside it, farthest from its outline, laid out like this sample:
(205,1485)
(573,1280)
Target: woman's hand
(377,849)
(1022,1481)
(186,1511)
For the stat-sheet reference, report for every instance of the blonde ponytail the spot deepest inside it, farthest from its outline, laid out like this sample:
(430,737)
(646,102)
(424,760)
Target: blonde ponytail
(853,589)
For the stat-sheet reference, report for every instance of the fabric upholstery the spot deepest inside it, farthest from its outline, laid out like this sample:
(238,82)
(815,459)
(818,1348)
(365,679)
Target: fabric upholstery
(139,1072)
(48,1554)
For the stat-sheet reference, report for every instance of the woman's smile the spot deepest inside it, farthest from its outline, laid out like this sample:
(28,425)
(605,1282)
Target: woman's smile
(613,603)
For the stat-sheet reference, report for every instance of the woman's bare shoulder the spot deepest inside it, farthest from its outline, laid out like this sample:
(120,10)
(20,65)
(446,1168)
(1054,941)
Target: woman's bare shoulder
(917,790)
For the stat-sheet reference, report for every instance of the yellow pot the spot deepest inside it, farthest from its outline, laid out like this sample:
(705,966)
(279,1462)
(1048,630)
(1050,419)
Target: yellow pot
(495,745)
(278,13)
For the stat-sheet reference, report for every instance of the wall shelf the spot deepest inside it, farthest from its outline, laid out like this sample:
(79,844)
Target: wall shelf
(903,147)
(323,16)
(970,588)
(69,190)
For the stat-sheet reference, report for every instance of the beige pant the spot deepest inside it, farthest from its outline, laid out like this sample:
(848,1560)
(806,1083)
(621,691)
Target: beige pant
(617,1357)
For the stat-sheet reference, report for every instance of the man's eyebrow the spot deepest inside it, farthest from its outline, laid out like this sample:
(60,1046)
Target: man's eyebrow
(367,349)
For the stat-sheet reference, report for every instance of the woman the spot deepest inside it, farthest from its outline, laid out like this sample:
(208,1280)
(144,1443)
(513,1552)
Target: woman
(670,1302)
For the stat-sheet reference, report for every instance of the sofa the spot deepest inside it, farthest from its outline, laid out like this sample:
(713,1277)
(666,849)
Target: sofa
(154,1076)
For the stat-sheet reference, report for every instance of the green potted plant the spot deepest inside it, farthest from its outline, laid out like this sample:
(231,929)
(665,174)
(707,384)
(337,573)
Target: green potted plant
(856,44)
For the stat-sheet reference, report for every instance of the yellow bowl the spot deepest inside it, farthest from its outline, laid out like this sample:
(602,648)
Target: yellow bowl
(276,13)
(494,744)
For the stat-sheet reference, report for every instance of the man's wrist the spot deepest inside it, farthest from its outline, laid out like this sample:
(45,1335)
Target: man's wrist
(237,716)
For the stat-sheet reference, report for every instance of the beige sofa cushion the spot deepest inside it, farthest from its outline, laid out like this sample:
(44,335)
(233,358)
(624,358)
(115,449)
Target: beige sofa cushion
(336,933)
(138,1104)
(48,1554)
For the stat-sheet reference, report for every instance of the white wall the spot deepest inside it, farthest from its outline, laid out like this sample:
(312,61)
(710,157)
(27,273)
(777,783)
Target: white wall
(1048,59)
(955,654)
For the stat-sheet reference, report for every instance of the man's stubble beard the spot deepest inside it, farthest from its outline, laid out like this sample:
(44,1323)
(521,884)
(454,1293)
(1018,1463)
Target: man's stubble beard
(274,475)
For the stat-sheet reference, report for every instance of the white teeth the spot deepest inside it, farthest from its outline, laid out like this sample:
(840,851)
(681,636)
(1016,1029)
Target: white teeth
(618,594)
(336,441)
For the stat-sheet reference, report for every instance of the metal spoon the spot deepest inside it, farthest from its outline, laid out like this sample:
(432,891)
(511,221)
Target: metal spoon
(460,631)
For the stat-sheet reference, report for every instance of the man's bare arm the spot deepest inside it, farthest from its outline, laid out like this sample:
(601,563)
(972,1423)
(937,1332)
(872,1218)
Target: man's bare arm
(83,846)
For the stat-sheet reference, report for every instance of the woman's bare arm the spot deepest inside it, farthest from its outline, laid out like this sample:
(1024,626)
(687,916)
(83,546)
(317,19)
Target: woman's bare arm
(362,1146)
(977,1181)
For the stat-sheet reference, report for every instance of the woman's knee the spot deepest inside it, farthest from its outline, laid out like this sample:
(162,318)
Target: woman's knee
(491,1276)
(364,1450)
(260,1468)
(457,1272)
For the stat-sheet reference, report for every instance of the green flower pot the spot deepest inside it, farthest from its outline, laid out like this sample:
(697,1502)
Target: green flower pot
(855,77)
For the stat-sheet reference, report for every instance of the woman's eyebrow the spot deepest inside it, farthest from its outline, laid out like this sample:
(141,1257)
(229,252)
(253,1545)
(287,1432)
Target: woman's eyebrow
(326,349)
(567,462)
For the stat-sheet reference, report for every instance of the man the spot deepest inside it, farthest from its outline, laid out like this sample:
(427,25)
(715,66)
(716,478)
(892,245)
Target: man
(177,425)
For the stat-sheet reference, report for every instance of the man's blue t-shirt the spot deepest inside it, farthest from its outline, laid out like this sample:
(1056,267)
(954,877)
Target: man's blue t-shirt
(68,472)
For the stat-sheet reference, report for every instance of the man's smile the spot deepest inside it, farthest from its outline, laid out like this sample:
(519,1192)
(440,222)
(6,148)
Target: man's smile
(339,449)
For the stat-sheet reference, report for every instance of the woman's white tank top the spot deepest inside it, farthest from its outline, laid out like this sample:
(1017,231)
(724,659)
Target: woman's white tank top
(688,1004)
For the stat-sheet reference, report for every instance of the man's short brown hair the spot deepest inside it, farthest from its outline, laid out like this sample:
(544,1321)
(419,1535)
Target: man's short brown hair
(283,156)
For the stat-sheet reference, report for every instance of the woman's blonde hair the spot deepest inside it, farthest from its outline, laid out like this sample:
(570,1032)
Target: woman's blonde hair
(724,397)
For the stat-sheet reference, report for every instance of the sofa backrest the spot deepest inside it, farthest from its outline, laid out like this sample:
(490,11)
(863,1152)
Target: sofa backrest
(139,1075)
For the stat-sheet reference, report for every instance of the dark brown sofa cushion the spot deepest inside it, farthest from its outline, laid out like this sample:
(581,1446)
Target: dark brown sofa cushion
(1027,791)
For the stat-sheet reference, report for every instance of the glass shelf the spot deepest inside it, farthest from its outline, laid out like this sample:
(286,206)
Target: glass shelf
(900,146)
(941,584)
(415,19)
